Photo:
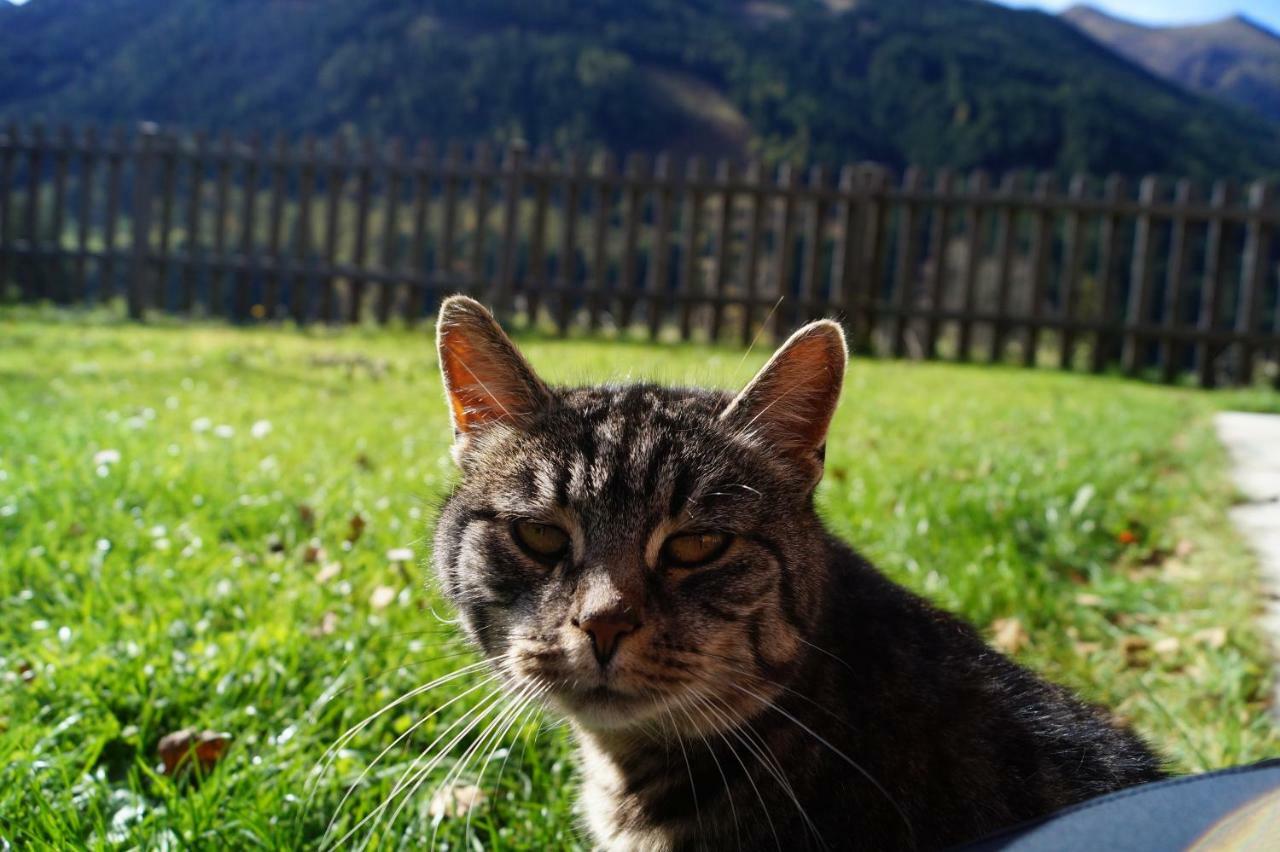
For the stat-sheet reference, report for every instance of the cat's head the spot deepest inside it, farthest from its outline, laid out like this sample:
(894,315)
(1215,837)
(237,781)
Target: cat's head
(635,549)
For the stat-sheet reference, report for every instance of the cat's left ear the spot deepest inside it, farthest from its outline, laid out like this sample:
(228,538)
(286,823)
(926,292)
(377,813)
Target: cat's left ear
(790,402)
(486,379)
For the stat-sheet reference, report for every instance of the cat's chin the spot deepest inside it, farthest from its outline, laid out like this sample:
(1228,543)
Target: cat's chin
(604,708)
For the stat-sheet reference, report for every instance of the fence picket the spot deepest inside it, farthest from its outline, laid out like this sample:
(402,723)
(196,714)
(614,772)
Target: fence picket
(301,289)
(975,230)
(389,261)
(632,211)
(1006,237)
(751,269)
(481,172)
(218,272)
(815,221)
(1255,268)
(513,189)
(163,262)
(537,279)
(1108,250)
(414,267)
(1139,308)
(61,159)
(1041,248)
(659,263)
(1214,269)
(8,153)
(29,285)
(275,225)
(567,266)
(724,242)
(935,285)
(1073,249)
(784,250)
(604,178)
(1171,348)
(690,285)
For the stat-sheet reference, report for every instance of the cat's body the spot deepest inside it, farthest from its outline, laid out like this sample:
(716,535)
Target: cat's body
(650,561)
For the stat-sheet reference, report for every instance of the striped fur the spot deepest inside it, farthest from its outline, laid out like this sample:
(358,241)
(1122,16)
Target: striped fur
(786,695)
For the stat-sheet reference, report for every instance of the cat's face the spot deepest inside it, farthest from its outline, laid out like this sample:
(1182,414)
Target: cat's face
(634,551)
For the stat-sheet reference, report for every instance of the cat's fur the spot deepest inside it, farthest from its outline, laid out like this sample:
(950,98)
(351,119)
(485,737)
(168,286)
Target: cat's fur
(786,695)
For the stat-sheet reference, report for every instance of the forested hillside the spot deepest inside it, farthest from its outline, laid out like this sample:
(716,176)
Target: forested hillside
(956,82)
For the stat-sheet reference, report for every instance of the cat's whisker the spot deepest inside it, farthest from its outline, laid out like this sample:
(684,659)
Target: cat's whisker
(530,697)
(409,732)
(693,786)
(756,745)
(733,809)
(330,753)
(764,807)
(474,714)
(837,752)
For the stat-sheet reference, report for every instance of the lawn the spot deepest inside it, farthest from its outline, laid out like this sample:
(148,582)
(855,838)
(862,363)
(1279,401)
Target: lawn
(203,527)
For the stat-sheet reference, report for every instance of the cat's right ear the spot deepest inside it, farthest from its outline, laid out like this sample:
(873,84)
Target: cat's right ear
(486,379)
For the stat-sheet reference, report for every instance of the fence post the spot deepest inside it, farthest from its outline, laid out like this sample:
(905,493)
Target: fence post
(8,150)
(1253,274)
(724,241)
(536,277)
(806,300)
(248,259)
(691,284)
(659,287)
(632,210)
(605,178)
(481,171)
(218,272)
(164,261)
(275,224)
(751,269)
(567,273)
(35,172)
(415,268)
(936,284)
(1041,249)
(141,222)
(1108,249)
(975,227)
(61,158)
(1139,309)
(366,157)
(1184,195)
(784,251)
(1073,250)
(301,289)
(1214,263)
(1006,236)
(451,170)
(513,168)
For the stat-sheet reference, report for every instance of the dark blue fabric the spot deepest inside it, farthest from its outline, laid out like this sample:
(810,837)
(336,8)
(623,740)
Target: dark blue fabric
(1160,817)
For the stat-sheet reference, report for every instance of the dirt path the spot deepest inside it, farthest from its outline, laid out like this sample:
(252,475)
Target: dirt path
(1253,440)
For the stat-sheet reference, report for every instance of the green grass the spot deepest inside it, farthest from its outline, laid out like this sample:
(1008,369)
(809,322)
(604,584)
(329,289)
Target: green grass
(170,589)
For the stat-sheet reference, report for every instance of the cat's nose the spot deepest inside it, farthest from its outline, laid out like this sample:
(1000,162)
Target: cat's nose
(606,630)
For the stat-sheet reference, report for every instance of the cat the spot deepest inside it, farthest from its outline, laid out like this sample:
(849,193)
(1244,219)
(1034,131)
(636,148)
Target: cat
(650,561)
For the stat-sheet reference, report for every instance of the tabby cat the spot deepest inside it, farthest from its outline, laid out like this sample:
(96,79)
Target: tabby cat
(650,560)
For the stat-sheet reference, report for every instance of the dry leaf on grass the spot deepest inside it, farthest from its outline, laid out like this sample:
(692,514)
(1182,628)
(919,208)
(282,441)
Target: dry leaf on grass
(382,597)
(328,624)
(328,572)
(1214,637)
(356,527)
(455,801)
(313,553)
(176,749)
(1134,649)
(1008,635)
(1087,599)
(1167,646)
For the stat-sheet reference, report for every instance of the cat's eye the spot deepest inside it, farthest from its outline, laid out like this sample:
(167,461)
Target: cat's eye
(543,541)
(694,549)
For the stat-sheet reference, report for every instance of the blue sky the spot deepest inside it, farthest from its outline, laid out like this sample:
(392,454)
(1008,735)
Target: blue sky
(1172,11)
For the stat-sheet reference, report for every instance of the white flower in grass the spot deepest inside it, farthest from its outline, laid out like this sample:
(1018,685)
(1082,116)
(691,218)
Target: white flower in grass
(400,554)
(201,424)
(261,429)
(224,431)
(105,457)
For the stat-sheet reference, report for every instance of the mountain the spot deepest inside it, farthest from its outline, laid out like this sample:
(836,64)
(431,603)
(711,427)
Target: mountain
(935,82)
(1234,59)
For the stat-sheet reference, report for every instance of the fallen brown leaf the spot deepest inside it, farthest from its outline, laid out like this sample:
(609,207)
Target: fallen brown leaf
(176,749)
(1087,599)
(1167,646)
(1134,649)
(1008,635)
(382,597)
(312,553)
(1214,637)
(356,527)
(455,801)
(306,515)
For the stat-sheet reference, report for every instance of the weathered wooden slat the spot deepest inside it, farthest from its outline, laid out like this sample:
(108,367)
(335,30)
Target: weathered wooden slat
(1255,269)
(1108,276)
(140,246)
(636,171)
(450,171)
(1073,251)
(935,283)
(481,174)
(61,157)
(1041,251)
(723,246)
(336,181)
(250,178)
(9,141)
(975,239)
(513,193)
(193,247)
(115,163)
(1139,307)
(605,179)
(275,226)
(751,267)
(657,289)
(415,267)
(875,258)
(814,245)
(690,281)
(1176,274)
(365,165)
(1006,238)
(567,266)
(846,248)
(393,187)
(30,283)
(784,252)
(1224,192)
(164,261)
(904,276)
(302,296)
(537,278)
(224,158)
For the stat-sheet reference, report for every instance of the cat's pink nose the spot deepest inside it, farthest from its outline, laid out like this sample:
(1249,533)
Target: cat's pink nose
(606,630)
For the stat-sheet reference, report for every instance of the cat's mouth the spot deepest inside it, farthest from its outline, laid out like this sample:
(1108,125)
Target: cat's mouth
(603,705)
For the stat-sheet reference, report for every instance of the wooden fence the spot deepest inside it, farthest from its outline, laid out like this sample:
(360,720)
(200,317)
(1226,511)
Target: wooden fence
(1164,283)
